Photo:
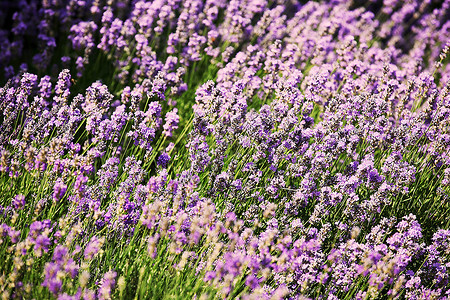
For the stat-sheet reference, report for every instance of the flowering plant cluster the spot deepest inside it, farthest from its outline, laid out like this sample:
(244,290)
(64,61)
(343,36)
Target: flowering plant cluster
(246,149)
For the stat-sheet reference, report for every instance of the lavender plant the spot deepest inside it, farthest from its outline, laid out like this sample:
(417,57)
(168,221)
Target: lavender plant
(224,149)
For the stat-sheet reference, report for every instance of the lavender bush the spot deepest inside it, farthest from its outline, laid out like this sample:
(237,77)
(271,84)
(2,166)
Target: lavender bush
(224,149)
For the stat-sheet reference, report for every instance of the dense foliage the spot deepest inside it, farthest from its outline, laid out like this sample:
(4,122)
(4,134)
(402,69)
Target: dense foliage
(210,149)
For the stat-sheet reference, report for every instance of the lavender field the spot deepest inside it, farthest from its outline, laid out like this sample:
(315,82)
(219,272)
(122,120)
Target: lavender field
(243,149)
